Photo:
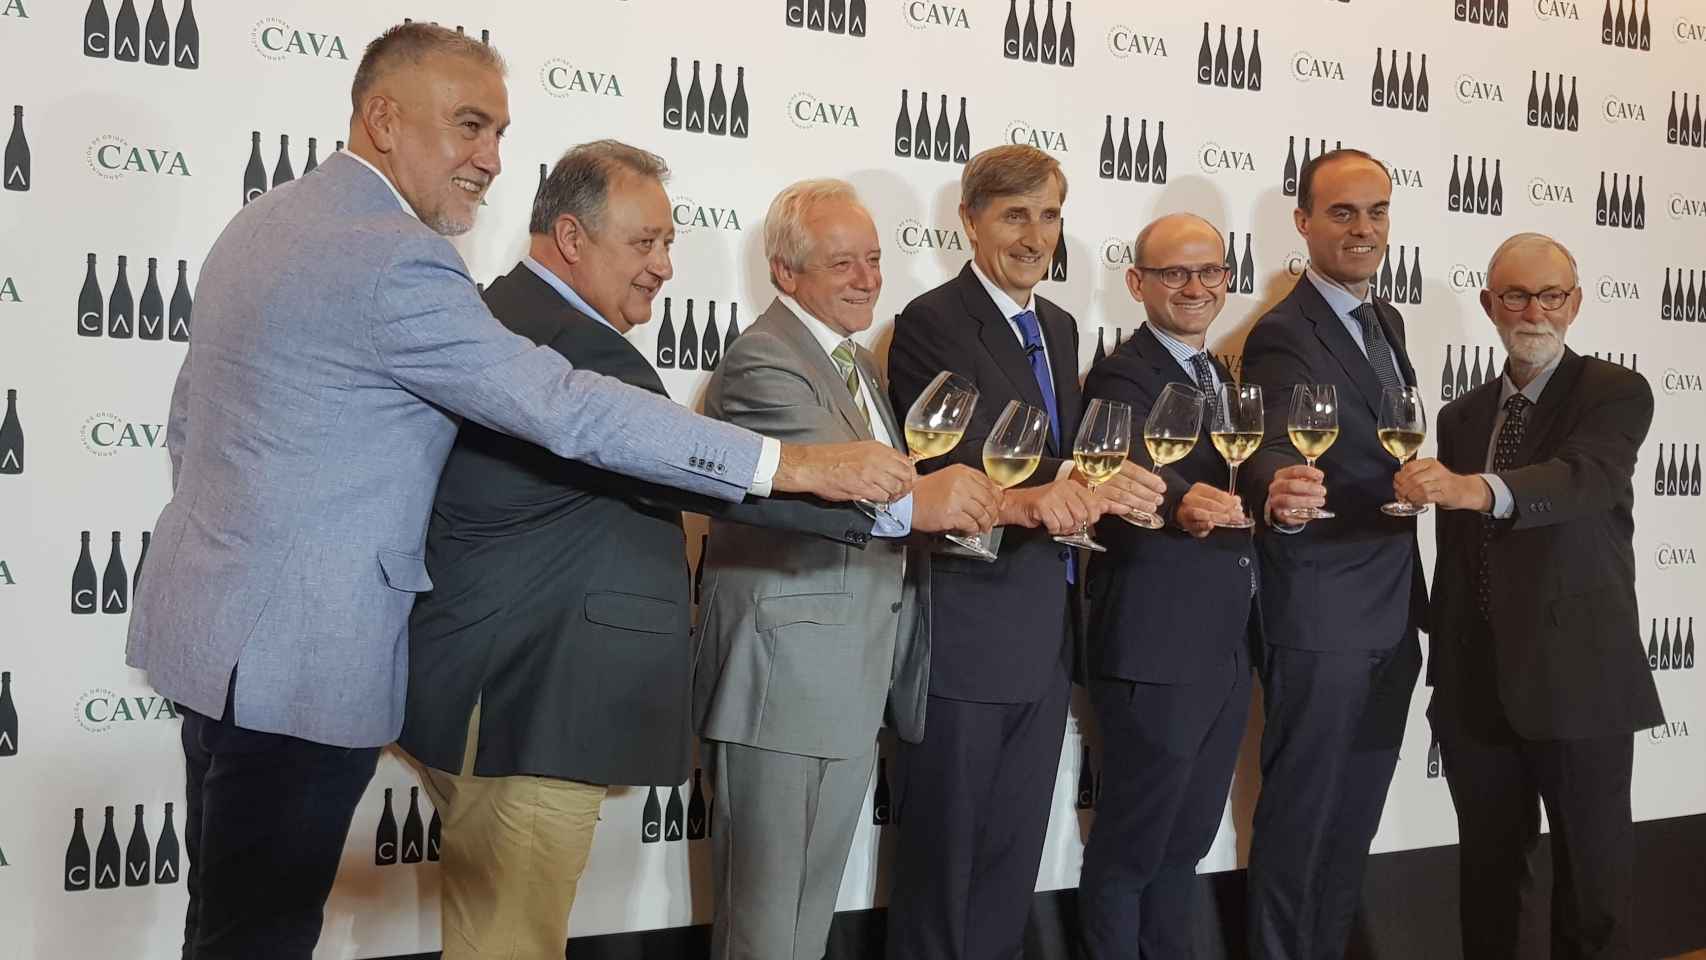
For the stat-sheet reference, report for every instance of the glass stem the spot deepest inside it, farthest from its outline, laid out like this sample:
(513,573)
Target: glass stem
(1232,485)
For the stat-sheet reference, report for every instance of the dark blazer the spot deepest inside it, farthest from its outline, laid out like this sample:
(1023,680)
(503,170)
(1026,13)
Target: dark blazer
(1165,607)
(560,594)
(1567,641)
(998,630)
(1353,582)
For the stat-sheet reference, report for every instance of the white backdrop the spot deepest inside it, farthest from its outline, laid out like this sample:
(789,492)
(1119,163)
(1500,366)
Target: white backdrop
(148,161)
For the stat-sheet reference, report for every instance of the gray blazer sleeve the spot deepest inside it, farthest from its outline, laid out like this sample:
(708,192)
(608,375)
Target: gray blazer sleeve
(436,339)
(178,418)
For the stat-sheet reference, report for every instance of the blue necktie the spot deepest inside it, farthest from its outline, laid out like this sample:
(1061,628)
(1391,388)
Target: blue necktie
(1033,334)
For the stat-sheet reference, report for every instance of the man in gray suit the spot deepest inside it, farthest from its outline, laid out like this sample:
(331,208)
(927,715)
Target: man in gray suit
(340,338)
(805,639)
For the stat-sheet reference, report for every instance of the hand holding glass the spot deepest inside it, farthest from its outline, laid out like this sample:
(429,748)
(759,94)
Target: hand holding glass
(1104,440)
(1010,456)
(1402,426)
(1169,433)
(935,422)
(1237,432)
(1313,426)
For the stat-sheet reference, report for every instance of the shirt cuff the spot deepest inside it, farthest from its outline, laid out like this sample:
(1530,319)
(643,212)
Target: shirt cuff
(1504,504)
(769,458)
(896,522)
(1066,467)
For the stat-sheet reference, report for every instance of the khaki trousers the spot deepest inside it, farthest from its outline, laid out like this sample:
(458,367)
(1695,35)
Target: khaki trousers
(512,853)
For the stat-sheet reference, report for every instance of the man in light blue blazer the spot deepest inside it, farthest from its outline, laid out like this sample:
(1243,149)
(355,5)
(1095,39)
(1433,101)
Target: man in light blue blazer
(339,338)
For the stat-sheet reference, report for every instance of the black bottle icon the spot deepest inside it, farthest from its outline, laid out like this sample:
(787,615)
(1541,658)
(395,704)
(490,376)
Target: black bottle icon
(1028,45)
(385,837)
(151,310)
(157,38)
(1416,277)
(695,119)
(856,17)
(1665,304)
(178,314)
(814,14)
(1694,474)
(673,826)
(15,166)
(121,306)
(1606,32)
(1620,34)
(414,835)
(1238,62)
(1671,474)
(1086,798)
(1010,33)
(666,340)
(96,33)
(281,171)
(903,128)
(1659,474)
(84,593)
(1377,87)
(1601,207)
(1422,89)
(1401,278)
(8,717)
(651,818)
(740,120)
(313,157)
(1664,647)
(1158,163)
(115,582)
(1483,195)
(1496,205)
(1688,648)
(1068,40)
(962,136)
(1140,157)
(1476,377)
(1123,161)
(1434,768)
(138,865)
(77,855)
(837,16)
(794,13)
(1646,25)
(1534,117)
(1383,279)
(1640,215)
(11,438)
(687,348)
(1105,159)
(672,99)
(186,40)
(1407,92)
(1222,63)
(734,329)
(1462,385)
(710,343)
(882,797)
(1670,119)
(127,37)
(435,836)
(1394,89)
(1057,266)
(1453,190)
(944,137)
(1676,647)
(1231,262)
(1050,38)
(1205,58)
(921,131)
(1653,643)
(166,851)
(719,117)
(255,174)
(1253,80)
(1288,183)
(1101,347)
(1445,391)
(107,866)
(1247,270)
(696,801)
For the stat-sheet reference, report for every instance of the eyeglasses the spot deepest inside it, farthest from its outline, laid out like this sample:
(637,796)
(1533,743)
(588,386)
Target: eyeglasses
(1516,301)
(1175,278)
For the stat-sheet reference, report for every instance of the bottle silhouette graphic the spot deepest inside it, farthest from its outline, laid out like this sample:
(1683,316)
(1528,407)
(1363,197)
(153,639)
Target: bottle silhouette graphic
(1434,767)
(166,851)
(1504,13)
(837,16)
(1247,270)
(1640,215)
(1620,33)
(1050,38)
(1394,87)
(1123,158)
(1288,181)
(814,15)
(687,348)
(1205,59)
(156,38)
(1653,642)
(1646,25)
(1401,278)
(115,582)
(11,438)
(1422,90)
(695,103)
(385,837)
(1475,11)
(1377,87)
(962,136)
(856,17)
(281,171)
(151,310)
(255,175)
(414,834)
(1681,468)
(1664,304)
(1407,92)
(1692,312)
(1222,62)
(1670,119)
(1101,347)
(178,314)
(1483,196)
(733,330)
(1626,216)
(435,837)
(1238,63)
(186,40)
(313,157)
(1469,185)
(1697,132)
(1028,45)
(1676,647)
(794,13)
(672,98)
(1231,262)
(1606,32)
(127,35)
(944,137)
(84,593)
(1694,474)
(696,804)
(1460,12)
(77,855)
(651,818)
(1383,280)
(1534,118)
(96,33)
(903,128)
(921,131)
(1600,205)
(121,306)
(1010,33)
(666,340)
(1688,648)
(1086,798)
(1476,377)
(740,119)
(1140,157)
(1445,391)
(107,867)
(1158,163)
(710,344)
(1671,474)
(1057,266)
(15,164)
(1068,40)
(1416,277)
(8,717)
(674,827)
(1461,387)
(1659,474)
(1105,160)
(141,557)
(1253,80)
(1561,118)
(719,116)
(138,855)
(882,800)
(1496,205)
(1664,647)
(1454,189)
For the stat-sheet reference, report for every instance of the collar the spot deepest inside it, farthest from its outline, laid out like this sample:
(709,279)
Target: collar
(821,332)
(1009,307)
(565,291)
(1181,351)
(1507,389)
(383,179)
(1341,300)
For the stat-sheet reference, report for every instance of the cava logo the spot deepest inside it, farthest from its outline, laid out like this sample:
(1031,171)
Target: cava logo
(722,115)
(9,291)
(1469,194)
(691,349)
(1678,382)
(1686,301)
(1409,93)
(920,15)
(1487,13)
(1466,377)
(1682,207)
(1126,42)
(1631,32)
(1618,109)
(915,237)
(1675,476)
(1305,67)
(1214,158)
(675,821)
(1670,651)
(1690,31)
(114,158)
(1288,182)
(839,16)
(12,8)
(1403,285)
(1408,177)
(1117,255)
(100,710)
(1544,193)
(1680,129)
(690,216)
(1668,732)
(1673,557)
(1473,90)
(1019,131)
(126,39)
(1296,262)
(1627,209)
(106,434)
(922,141)
(283,171)
(1557,9)
(1551,111)
(121,316)
(1140,164)
(113,593)
(277,40)
(1240,274)
(140,863)
(1465,280)
(417,841)
(805,111)
(561,79)
(1612,290)
(1215,67)
(1053,42)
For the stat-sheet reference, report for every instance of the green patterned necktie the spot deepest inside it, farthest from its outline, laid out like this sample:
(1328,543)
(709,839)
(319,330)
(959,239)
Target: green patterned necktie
(843,357)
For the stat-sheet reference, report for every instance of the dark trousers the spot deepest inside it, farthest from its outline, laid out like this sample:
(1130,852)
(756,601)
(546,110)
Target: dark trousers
(1168,753)
(1334,723)
(973,810)
(265,817)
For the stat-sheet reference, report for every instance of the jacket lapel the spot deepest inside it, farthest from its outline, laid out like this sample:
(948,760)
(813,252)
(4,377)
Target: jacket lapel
(819,366)
(1481,409)
(999,339)
(880,392)
(1337,340)
(1545,413)
(1063,364)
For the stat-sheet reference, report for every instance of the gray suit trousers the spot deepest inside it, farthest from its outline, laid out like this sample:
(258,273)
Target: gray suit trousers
(784,824)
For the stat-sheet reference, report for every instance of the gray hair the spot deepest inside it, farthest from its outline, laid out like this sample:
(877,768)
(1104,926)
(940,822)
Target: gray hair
(579,185)
(785,235)
(407,44)
(1143,235)
(1533,240)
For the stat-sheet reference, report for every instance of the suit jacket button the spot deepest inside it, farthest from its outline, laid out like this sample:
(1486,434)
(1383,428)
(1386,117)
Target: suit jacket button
(894,607)
(1243,561)
(722,467)
(1066,554)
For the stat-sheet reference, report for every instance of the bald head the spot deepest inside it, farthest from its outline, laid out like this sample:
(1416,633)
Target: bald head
(1167,230)
(1529,245)
(1173,249)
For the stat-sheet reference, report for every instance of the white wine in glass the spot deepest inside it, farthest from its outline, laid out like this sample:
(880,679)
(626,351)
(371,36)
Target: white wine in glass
(935,423)
(1313,426)
(1237,433)
(1169,433)
(1010,455)
(1402,427)
(1103,441)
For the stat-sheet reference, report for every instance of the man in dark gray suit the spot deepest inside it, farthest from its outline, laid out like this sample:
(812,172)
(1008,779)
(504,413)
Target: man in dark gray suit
(308,426)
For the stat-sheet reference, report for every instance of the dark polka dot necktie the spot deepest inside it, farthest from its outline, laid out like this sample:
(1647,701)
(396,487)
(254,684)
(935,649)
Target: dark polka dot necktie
(1504,458)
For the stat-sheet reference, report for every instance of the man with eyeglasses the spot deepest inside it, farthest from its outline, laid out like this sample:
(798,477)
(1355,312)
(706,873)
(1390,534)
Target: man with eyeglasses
(1538,679)
(1170,681)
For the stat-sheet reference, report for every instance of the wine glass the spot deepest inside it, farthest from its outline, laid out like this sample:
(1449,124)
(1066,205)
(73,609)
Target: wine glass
(1402,426)
(1313,426)
(1104,439)
(934,423)
(1237,432)
(1169,433)
(1010,456)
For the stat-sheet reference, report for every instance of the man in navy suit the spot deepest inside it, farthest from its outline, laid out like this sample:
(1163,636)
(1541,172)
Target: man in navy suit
(1171,615)
(1342,598)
